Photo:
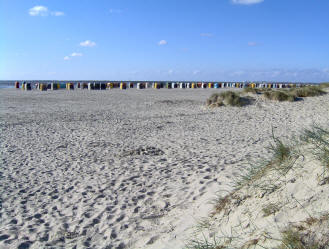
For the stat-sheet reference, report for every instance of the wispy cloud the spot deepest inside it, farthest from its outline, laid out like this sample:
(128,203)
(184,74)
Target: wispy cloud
(40,10)
(57,13)
(116,11)
(170,71)
(69,57)
(162,42)
(247,2)
(195,72)
(206,34)
(76,54)
(87,43)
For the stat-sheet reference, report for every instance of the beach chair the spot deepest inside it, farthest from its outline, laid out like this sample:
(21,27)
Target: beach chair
(123,86)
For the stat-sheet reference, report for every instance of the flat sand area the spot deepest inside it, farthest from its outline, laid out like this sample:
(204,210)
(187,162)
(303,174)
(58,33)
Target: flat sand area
(127,169)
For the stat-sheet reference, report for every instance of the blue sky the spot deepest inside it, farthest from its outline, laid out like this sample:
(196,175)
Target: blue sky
(218,40)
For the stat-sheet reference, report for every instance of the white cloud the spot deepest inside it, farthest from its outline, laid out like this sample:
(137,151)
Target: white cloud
(87,43)
(252,44)
(247,2)
(170,72)
(57,13)
(162,42)
(207,34)
(66,58)
(43,11)
(195,72)
(38,11)
(76,54)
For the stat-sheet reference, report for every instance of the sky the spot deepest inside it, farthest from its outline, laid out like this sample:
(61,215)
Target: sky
(210,40)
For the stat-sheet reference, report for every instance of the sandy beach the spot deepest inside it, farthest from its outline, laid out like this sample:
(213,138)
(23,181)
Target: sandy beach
(127,169)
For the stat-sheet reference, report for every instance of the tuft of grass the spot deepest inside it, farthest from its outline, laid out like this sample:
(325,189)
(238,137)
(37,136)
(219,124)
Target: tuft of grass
(227,98)
(280,96)
(204,244)
(308,91)
(282,159)
(318,138)
(292,239)
(324,85)
(280,151)
(252,90)
(223,203)
(270,209)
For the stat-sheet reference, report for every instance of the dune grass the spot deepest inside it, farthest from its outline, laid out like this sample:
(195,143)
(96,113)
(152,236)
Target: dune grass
(227,98)
(280,96)
(324,85)
(291,94)
(292,239)
(308,91)
(318,138)
(282,159)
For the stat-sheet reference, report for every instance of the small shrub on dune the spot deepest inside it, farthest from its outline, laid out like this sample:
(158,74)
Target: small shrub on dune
(319,139)
(227,98)
(251,90)
(279,96)
(308,91)
(324,85)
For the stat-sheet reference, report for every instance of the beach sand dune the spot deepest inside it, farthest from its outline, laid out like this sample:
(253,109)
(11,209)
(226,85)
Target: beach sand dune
(126,169)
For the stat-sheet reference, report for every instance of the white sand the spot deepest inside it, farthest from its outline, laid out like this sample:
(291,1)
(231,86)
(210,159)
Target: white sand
(67,179)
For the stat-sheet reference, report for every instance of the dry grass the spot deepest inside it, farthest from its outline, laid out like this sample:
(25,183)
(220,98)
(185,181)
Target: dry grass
(318,138)
(252,90)
(324,85)
(271,208)
(292,239)
(227,98)
(309,91)
(279,96)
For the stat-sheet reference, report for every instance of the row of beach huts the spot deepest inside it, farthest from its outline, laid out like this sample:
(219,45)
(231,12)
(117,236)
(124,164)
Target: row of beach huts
(144,85)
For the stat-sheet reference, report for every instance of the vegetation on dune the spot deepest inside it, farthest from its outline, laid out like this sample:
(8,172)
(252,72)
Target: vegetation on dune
(309,91)
(291,94)
(279,96)
(318,138)
(324,85)
(268,176)
(227,98)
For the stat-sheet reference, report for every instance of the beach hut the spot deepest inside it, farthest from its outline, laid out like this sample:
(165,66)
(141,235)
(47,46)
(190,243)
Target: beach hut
(103,86)
(43,87)
(27,86)
(84,86)
(181,85)
(193,85)
(147,85)
(69,86)
(123,86)
(97,86)
(17,85)
(216,85)
(90,86)
(188,85)
(204,85)
(53,86)
(79,85)
(139,85)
